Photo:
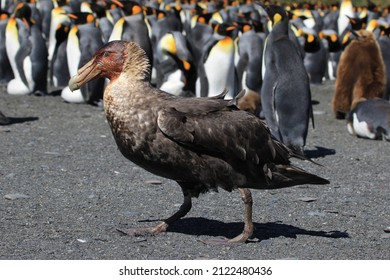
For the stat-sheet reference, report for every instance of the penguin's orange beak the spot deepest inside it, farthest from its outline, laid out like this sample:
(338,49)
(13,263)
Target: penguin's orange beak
(85,74)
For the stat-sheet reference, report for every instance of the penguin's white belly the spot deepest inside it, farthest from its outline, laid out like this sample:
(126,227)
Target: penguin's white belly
(331,73)
(72,97)
(17,87)
(219,69)
(174,83)
(360,128)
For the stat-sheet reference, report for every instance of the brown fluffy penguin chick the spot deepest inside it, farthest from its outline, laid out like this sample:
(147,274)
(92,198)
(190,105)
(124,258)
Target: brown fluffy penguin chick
(360,74)
(250,102)
(201,143)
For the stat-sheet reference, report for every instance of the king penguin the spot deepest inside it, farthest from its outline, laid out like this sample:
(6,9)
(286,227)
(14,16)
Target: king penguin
(6,73)
(370,119)
(333,48)
(27,53)
(315,60)
(84,39)
(176,72)
(248,60)
(104,24)
(58,17)
(59,70)
(218,63)
(285,93)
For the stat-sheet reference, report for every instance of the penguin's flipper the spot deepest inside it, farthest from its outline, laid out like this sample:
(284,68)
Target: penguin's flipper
(182,46)
(20,56)
(311,112)
(207,48)
(268,90)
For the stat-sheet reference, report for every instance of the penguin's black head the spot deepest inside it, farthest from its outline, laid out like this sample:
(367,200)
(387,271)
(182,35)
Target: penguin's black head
(275,13)
(129,7)
(385,31)
(223,29)
(81,18)
(357,23)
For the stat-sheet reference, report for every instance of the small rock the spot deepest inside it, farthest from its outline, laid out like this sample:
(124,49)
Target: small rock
(316,213)
(82,240)
(387,229)
(385,236)
(307,199)
(13,196)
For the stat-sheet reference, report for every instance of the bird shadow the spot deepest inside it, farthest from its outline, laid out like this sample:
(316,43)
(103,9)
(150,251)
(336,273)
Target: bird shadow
(319,152)
(12,120)
(262,231)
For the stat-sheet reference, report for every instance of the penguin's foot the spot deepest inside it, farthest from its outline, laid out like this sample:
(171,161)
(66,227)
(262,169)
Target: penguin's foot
(39,93)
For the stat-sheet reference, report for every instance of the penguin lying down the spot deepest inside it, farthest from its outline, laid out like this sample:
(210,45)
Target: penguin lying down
(370,119)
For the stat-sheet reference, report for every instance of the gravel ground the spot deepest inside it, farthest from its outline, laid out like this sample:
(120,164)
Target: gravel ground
(65,187)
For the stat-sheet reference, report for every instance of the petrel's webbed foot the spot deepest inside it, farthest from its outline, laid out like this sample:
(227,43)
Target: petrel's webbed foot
(162,227)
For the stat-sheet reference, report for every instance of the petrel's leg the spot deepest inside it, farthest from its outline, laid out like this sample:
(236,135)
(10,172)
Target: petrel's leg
(248,224)
(162,227)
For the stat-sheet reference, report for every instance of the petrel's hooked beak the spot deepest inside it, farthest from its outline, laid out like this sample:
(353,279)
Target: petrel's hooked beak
(85,74)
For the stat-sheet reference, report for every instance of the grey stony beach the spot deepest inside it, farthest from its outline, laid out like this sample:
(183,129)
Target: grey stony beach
(65,188)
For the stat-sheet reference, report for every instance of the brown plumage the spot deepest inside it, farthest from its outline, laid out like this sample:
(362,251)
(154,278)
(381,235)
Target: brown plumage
(201,143)
(360,73)
(250,102)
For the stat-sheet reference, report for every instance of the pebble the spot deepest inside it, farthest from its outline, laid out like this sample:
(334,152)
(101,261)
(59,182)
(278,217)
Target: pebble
(387,229)
(13,196)
(316,213)
(82,240)
(307,199)
(385,236)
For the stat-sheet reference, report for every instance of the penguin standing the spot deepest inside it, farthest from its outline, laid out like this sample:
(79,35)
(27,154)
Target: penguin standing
(6,73)
(315,60)
(104,24)
(198,34)
(176,72)
(58,17)
(218,63)
(333,48)
(370,119)
(285,93)
(59,70)
(248,60)
(84,39)
(27,53)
